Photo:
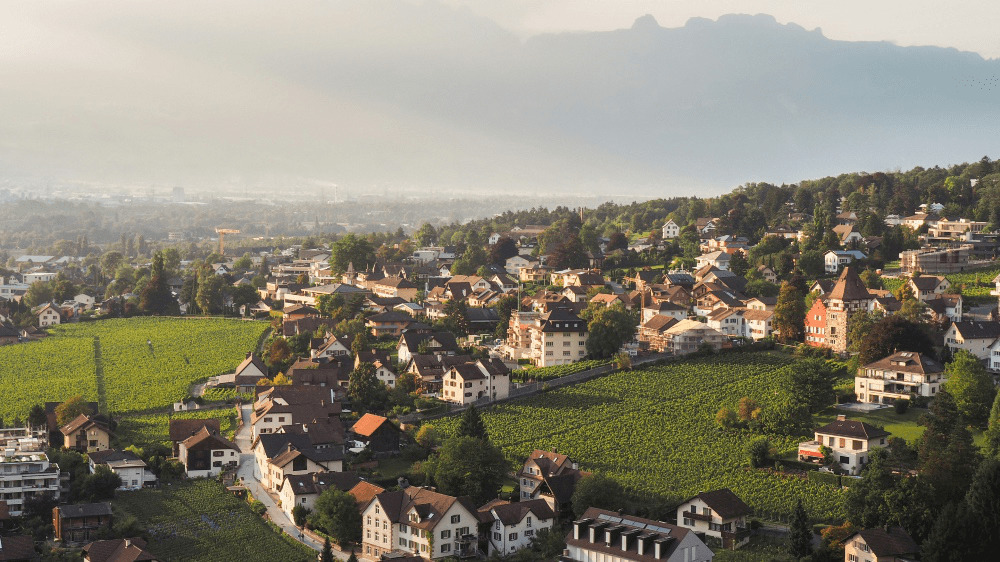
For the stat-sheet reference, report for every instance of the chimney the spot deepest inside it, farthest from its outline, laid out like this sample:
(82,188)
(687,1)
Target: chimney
(658,549)
(841,417)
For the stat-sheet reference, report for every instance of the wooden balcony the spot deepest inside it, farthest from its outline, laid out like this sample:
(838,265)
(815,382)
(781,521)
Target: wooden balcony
(697,516)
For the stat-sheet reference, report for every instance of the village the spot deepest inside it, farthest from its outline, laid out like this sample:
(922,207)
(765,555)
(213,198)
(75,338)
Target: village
(368,356)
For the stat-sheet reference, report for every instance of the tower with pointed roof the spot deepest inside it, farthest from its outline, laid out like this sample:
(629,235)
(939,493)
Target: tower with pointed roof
(849,295)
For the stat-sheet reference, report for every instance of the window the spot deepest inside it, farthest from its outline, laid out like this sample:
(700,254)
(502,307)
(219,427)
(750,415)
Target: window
(843,442)
(529,533)
(529,521)
(369,520)
(688,522)
(856,445)
(445,548)
(706,511)
(456,518)
(217,464)
(376,509)
(218,453)
(496,536)
(844,460)
(423,548)
(402,541)
(446,534)
(403,528)
(376,536)
(368,533)
(512,537)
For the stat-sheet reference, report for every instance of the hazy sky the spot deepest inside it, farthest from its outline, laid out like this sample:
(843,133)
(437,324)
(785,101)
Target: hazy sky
(377,93)
(968,25)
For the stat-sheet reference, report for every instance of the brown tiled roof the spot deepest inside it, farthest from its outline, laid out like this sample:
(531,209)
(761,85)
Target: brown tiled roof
(853,429)
(724,502)
(364,491)
(430,506)
(17,548)
(83,421)
(849,286)
(888,543)
(181,429)
(118,550)
(926,282)
(252,359)
(907,362)
(369,424)
(514,513)
(205,438)
(977,330)
(757,315)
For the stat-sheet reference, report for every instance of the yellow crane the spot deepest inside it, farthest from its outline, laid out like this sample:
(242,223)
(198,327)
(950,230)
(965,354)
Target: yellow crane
(222,232)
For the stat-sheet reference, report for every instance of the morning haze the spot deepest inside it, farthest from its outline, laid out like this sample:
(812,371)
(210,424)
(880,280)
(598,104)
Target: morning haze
(415,97)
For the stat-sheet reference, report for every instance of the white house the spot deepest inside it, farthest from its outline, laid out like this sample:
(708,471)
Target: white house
(900,376)
(835,260)
(850,443)
(975,337)
(419,521)
(608,536)
(729,321)
(126,464)
(994,364)
(206,454)
(882,544)
(720,514)
(758,323)
(38,277)
(514,525)
(671,230)
(718,259)
(467,382)
(48,315)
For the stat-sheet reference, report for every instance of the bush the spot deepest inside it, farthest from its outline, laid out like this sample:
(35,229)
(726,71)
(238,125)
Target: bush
(757,451)
(258,507)
(901,406)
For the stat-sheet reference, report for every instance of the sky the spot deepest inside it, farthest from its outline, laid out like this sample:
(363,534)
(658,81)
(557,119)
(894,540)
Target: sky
(967,25)
(230,94)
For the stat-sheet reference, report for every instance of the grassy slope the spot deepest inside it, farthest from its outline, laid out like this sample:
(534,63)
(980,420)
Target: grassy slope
(144,429)
(200,521)
(136,377)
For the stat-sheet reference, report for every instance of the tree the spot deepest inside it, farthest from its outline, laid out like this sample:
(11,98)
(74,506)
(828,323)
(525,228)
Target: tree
(609,328)
(353,557)
(597,490)
(983,499)
(209,296)
(37,417)
(811,382)
(471,425)
(466,466)
(789,314)
(100,485)
(365,389)
(871,279)
(336,512)
(972,387)
(892,334)
(351,249)
(427,235)
(427,436)
(991,447)
(156,297)
(503,250)
(800,535)
(955,536)
(568,254)
(947,456)
(757,451)
(738,264)
(245,295)
(71,409)
(726,418)
(327,554)
(617,241)
(300,514)
(859,325)
(747,409)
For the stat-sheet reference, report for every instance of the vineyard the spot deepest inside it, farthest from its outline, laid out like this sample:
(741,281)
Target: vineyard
(145,429)
(653,429)
(556,371)
(148,362)
(974,285)
(200,521)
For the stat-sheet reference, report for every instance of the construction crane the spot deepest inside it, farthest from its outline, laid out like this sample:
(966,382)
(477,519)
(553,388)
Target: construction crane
(222,232)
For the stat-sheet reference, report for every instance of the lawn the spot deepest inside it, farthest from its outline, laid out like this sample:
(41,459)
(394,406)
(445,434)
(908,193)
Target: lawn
(144,429)
(200,521)
(147,363)
(653,430)
(906,425)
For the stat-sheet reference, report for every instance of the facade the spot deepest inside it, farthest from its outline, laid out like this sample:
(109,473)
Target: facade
(26,471)
(557,337)
(900,376)
(849,441)
(835,260)
(48,315)
(975,337)
(607,536)
(758,324)
(935,260)
(892,544)
(717,259)
(670,230)
(419,521)
(653,332)
(86,434)
(206,454)
(928,287)
(81,523)
(720,514)
(687,336)
(549,476)
(303,489)
(468,382)
(512,526)
(849,295)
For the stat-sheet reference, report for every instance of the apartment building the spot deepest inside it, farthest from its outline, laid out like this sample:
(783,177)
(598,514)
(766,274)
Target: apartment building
(25,470)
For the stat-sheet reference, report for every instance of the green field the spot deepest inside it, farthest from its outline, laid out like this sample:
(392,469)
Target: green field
(653,429)
(200,521)
(906,425)
(145,429)
(137,376)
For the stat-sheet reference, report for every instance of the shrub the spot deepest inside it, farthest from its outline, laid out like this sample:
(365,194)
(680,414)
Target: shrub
(901,406)
(757,451)
(258,507)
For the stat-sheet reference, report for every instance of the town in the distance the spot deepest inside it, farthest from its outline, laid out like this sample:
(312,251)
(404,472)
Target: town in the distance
(794,372)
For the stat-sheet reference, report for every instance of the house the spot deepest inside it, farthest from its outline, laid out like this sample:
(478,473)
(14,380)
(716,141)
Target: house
(890,544)
(848,234)
(935,260)
(758,323)
(761,303)
(720,514)
(512,526)
(181,429)
(118,550)
(847,218)
(86,434)
(653,331)
(994,361)
(18,548)
(670,230)
(390,323)
(848,296)
(944,308)
(729,321)
(850,443)
(247,373)
(718,259)
(975,337)
(917,221)
(81,523)
(413,342)
(664,308)
(550,477)
(335,346)
(126,464)
(420,521)
(705,226)
(378,433)
(301,490)
(395,287)
(282,406)
(298,449)
(687,336)
(900,376)
(467,383)
(927,287)
(601,535)
(48,315)
(835,260)
(515,264)
(207,453)
(767,274)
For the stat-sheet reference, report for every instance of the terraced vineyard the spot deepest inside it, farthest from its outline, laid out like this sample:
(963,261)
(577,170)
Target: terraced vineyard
(200,521)
(653,429)
(148,362)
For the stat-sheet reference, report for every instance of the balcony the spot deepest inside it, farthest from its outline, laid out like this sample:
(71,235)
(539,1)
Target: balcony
(738,535)
(810,450)
(697,516)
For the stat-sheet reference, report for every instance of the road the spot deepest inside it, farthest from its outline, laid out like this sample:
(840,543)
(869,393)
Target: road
(245,472)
